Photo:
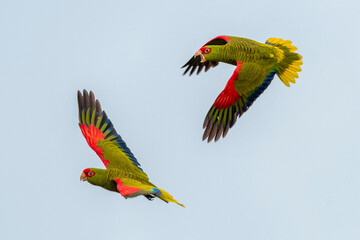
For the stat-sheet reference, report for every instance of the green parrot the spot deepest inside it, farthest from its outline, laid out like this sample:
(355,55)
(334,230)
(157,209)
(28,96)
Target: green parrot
(256,65)
(123,173)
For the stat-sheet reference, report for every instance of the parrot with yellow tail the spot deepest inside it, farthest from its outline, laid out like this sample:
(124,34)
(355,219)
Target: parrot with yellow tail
(256,65)
(123,173)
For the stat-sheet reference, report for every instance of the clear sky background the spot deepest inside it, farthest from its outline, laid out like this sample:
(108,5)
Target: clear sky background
(288,169)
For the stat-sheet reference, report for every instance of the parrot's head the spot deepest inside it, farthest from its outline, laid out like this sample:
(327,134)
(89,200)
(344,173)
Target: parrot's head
(92,175)
(86,174)
(209,53)
(213,50)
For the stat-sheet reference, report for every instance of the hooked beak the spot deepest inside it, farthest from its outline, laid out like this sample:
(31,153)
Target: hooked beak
(83,177)
(199,53)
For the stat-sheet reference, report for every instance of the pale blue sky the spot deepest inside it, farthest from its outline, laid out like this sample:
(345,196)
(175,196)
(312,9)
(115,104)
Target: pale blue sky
(289,168)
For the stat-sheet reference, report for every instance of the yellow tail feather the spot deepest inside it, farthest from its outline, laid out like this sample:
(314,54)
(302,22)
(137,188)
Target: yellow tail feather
(290,63)
(166,197)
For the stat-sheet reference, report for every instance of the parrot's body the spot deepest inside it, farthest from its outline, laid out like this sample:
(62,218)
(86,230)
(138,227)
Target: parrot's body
(256,65)
(123,173)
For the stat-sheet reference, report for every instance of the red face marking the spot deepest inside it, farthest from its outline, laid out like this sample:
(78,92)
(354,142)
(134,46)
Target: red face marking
(205,50)
(88,172)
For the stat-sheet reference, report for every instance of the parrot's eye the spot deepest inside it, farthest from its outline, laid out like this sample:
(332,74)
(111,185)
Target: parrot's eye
(207,50)
(90,174)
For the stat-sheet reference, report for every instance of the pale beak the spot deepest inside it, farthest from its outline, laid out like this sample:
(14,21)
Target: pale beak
(199,53)
(83,177)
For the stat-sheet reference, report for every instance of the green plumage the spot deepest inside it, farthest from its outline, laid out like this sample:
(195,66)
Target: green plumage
(123,173)
(243,50)
(104,178)
(257,63)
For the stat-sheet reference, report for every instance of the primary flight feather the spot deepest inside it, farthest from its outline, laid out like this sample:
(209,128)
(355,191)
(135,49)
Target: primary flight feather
(123,173)
(256,65)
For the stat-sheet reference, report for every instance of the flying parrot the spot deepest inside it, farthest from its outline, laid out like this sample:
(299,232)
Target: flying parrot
(256,65)
(123,173)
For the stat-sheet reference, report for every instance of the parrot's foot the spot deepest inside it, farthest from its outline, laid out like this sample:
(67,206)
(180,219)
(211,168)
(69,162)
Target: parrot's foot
(149,197)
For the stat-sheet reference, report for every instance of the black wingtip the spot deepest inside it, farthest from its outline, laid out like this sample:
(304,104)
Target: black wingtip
(195,64)
(80,103)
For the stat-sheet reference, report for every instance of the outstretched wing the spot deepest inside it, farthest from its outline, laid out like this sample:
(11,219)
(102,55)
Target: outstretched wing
(102,137)
(195,61)
(248,81)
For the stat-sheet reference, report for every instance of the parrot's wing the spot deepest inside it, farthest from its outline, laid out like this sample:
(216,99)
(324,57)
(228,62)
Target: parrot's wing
(248,81)
(195,62)
(132,188)
(102,137)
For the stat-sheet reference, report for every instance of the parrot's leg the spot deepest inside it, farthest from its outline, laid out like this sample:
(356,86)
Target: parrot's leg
(149,197)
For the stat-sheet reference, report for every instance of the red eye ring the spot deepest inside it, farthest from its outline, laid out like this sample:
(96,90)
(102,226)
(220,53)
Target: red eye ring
(207,50)
(90,174)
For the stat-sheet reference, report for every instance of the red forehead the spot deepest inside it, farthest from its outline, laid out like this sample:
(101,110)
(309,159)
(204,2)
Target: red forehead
(88,172)
(205,50)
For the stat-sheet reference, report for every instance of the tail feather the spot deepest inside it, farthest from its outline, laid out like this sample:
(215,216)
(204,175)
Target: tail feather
(166,197)
(289,61)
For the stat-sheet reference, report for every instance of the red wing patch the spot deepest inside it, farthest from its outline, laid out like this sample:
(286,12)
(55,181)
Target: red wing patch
(125,190)
(229,95)
(92,136)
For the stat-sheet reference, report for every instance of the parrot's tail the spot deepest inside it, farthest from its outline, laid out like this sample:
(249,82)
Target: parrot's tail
(289,61)
(166,197)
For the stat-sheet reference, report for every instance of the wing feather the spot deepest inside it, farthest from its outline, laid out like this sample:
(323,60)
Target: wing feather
(229,106)
(195,63)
